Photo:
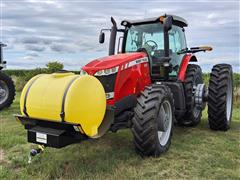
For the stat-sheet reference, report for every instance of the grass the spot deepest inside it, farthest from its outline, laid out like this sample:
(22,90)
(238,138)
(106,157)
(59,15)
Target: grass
(195,153)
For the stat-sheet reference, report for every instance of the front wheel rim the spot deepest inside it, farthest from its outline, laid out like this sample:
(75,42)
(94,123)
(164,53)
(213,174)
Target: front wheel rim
(165,115)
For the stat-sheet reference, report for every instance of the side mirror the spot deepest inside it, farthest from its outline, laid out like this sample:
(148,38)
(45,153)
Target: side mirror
(101,37)
(167,24)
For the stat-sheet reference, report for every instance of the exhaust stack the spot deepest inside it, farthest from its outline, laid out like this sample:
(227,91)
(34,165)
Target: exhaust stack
(113,36)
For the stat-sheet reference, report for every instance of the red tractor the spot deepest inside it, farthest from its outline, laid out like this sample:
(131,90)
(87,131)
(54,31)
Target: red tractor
(150,85)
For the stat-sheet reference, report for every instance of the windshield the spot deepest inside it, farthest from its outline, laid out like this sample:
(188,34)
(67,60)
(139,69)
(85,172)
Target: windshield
(148,36)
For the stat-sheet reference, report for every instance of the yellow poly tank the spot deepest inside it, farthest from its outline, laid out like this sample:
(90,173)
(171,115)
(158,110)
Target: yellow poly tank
(65,97)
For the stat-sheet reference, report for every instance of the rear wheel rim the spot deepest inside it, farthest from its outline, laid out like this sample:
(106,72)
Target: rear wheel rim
(195,110)
(4,92)
(165,114)
(229,100)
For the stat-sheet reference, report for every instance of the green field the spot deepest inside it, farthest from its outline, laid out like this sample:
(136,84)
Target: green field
(197,153)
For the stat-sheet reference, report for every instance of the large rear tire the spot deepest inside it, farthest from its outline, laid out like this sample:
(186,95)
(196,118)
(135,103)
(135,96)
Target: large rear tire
(193,114)
(7,91)
(220,97)
(153,121)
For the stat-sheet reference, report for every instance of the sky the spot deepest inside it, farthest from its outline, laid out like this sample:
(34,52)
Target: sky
(39,31)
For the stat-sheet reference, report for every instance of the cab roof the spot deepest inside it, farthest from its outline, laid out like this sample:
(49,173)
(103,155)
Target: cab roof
(179,21)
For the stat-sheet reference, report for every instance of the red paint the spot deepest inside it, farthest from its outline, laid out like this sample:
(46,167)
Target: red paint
(183,68)
(132,81)
(129,81)
(110,62)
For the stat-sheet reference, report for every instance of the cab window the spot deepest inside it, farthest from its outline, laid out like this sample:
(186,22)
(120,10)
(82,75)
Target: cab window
(177,43)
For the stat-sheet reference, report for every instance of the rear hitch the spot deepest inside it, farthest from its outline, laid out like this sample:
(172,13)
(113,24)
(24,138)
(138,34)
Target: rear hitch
(35,152)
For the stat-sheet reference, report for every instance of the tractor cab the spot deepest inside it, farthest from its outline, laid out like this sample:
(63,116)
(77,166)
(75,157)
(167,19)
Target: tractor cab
(161,38)
(161,43)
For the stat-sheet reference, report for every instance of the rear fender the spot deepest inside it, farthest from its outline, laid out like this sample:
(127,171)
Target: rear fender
(185,61)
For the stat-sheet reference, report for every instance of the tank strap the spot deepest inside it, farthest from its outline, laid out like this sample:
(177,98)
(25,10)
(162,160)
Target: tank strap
(62,114)
(26,96)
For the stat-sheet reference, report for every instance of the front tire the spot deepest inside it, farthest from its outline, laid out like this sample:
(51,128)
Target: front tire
(153,121)
(220,97)
(7,91)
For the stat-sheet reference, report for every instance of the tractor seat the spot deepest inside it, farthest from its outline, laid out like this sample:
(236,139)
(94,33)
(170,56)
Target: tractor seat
(157,60)
(160,53)
(158,57)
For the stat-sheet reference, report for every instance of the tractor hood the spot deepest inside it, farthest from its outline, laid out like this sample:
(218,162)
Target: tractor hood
(111,61)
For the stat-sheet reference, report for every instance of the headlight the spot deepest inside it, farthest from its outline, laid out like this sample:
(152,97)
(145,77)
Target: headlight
(82,72)
(106,72)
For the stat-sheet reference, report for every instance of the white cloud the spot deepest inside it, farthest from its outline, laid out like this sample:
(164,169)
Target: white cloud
(71,27)
(28,58)
(213,15)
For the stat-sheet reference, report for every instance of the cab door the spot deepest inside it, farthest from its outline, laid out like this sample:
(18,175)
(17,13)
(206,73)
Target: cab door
(177,42)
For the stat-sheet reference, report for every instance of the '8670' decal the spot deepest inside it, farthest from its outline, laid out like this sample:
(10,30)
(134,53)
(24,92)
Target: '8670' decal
(135,62)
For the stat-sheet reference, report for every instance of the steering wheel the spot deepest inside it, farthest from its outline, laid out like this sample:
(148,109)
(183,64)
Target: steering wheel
(154,46)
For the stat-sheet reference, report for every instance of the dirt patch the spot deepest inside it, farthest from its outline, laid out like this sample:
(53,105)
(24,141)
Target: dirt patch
(3,158)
